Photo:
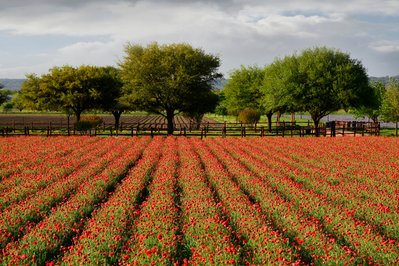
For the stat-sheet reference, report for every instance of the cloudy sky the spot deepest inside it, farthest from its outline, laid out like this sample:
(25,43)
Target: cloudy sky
(36,35)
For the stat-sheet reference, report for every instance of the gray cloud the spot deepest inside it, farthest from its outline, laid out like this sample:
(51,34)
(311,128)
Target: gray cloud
(243,32)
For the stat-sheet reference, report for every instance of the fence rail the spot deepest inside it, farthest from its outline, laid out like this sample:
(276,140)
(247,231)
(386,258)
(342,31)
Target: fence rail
(301,129)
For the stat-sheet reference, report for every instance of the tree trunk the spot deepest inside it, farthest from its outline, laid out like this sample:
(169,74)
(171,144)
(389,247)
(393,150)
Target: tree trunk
(269,121)
(117,116)
(169,117)
(316,125)
(77,115)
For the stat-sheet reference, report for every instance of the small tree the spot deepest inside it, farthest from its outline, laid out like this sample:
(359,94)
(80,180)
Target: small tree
(95,121)
(7,107)
(17,103)
(249,116)
(243,89)
(373,109)
(390,104)
(221,108)
(66,87)
(204,103)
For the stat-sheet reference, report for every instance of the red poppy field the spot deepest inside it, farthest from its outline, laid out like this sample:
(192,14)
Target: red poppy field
(187,201)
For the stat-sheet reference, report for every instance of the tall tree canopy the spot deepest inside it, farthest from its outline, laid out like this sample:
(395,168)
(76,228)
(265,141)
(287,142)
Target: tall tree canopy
(166,79)
(390,104)
(320,81)
(243,89)
(79,89)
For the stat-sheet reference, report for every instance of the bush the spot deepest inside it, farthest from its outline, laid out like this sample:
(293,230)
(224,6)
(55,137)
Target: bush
(95,121)
(83,125)
(249,116)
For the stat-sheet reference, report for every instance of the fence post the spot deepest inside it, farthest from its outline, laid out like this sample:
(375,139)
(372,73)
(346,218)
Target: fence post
(13,126)
(378,128)
(262,132)
(184,131)
(207,127)
(202,132)
(343,130)
(255,125)
(137,131)
(47,131)
(31,126)
(152,133)
(103,126)
(354,129)
(291,128)
(283,128)
(189,126)
(277,129)
(131,133)
(68,125)
(242,131)
(180,131)
(50,129)
(27,130)
(363,130)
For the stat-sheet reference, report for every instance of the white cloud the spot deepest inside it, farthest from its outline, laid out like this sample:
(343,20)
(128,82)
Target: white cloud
(385,46)
(244,32)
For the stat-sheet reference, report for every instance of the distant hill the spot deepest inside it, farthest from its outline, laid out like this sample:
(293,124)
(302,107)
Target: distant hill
(15,84)
(12,84)
(386,78)
(220,84)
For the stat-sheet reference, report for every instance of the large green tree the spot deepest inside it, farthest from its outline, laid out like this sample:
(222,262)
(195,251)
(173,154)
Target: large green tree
(320,81)
(275,96)
(390,104)
(79,89)
(166,79)
(243,89)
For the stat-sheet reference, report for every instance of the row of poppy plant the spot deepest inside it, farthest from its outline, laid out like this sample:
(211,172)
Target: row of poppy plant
(56,166)
(44,241)
(365,243)
(380,208)
(186,201)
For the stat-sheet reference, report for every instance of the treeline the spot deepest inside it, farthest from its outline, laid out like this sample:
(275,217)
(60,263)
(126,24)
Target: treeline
(178,79)
(318,81)
(159,79)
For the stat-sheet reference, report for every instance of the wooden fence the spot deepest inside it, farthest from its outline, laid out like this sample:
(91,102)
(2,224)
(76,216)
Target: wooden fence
(301,129)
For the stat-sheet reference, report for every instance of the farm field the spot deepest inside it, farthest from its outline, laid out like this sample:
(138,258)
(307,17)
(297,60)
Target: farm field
(26,120)
(186,201)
